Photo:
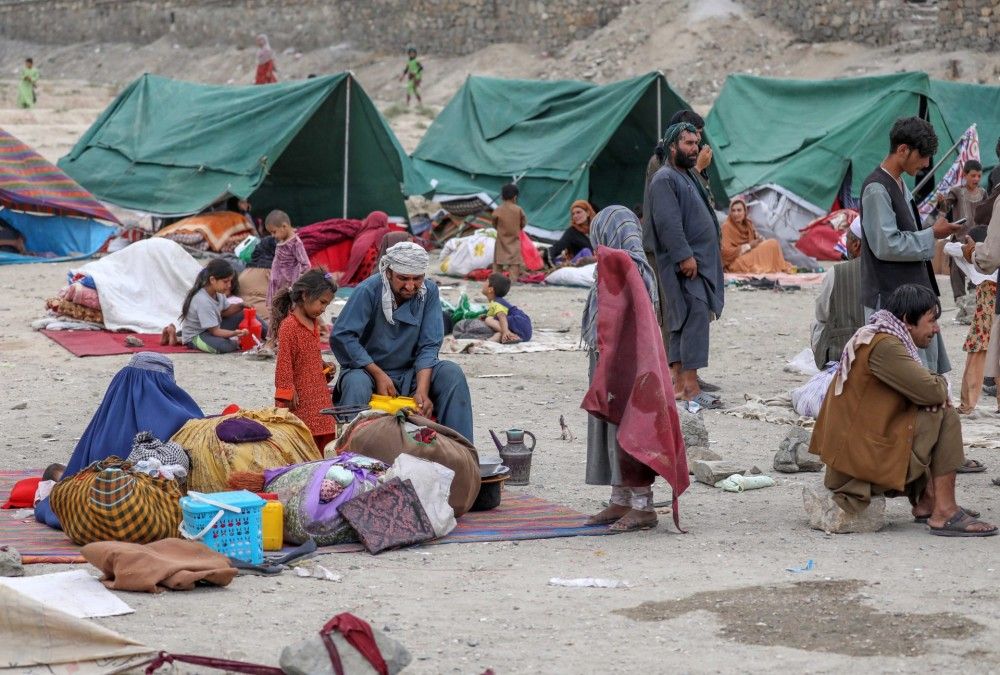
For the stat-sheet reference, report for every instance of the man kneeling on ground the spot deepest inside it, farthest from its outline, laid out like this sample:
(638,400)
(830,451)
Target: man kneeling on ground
(388,337)
(887,426)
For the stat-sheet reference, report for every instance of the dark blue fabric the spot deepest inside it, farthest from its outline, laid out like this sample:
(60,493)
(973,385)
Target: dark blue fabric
(136,400)
(45,515)
(518,322)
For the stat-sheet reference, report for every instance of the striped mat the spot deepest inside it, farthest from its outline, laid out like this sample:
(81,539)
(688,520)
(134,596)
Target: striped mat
(519,517)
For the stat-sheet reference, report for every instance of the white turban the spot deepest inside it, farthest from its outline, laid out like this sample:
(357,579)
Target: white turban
(856,227)
(403,258)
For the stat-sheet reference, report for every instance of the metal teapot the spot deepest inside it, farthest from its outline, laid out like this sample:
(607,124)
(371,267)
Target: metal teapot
(516,455)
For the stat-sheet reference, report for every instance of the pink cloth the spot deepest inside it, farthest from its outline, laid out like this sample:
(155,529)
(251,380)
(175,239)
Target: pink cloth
(317,236)
(631,385)
(290,262)
(81,295)
(373,228)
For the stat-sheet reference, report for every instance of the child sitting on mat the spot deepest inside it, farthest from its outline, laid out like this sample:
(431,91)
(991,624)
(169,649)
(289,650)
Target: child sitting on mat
(503,322)
(301,377)
(210,323)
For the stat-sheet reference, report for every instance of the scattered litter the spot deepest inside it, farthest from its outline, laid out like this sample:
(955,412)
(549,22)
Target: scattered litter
(808,567)
(316,571)
(738,483)
(589,582)
(804,363)
(76,593)
(565,433)
(490,376)
(20,406)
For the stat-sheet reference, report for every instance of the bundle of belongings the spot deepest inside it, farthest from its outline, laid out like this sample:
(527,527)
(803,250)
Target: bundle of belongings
(219,232)
(133,500)
(244,441)
(824,238)
(140,288)
(472,255)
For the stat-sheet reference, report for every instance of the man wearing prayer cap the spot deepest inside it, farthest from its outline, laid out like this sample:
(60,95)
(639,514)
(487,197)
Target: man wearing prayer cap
(387,340)
(683,235)
(839,312)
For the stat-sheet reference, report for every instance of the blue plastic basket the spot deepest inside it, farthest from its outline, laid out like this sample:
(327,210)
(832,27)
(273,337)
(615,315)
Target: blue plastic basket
(227,522)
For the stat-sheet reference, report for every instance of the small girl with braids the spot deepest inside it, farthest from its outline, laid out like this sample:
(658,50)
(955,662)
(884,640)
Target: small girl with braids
(301,377)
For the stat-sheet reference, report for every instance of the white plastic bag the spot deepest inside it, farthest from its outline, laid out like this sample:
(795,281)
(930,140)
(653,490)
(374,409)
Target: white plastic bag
(462,255)
(582,276)
(804,363)
(808,399)
(432,483)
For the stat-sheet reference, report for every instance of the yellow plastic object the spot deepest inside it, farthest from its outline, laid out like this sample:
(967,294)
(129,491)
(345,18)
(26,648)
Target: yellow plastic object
(392,404)
(273,524)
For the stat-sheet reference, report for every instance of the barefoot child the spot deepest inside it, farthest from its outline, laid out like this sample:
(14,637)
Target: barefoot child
(209,324)
(413,73)
(509,323)
(301,377)
(509,220)
(290,259)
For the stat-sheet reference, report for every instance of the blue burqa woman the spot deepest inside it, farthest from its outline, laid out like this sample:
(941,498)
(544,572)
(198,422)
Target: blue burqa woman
(142,396)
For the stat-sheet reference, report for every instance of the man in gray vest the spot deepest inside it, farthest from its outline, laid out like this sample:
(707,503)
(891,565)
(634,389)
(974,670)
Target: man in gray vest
(894,250)
(839,313)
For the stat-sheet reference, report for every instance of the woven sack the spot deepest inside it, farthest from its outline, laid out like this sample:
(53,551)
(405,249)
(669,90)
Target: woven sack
(107,501)
(384,437)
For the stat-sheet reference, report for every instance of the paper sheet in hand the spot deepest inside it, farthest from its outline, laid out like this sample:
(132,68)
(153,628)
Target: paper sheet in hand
(76,593)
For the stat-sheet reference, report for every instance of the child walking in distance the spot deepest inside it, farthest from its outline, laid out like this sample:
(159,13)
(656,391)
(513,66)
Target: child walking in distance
(509,220)
(413,73)
(301,377)
(209,324)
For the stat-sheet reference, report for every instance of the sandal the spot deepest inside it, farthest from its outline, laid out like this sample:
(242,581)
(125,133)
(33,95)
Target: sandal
(958,526)
(706,401)
(612,514)
(706,386)
(971,466)
(971,512)
(631,522)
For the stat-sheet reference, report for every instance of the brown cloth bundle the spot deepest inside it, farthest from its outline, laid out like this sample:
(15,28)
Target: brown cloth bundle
(384,438)
(175,564)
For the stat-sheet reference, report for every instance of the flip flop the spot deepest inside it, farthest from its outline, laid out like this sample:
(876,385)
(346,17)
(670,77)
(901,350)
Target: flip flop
(707,386)
(709,402)
(958,526)
(971,512)
(971,466)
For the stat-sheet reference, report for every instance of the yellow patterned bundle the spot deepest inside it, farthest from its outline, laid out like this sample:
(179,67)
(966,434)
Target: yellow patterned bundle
(213,460)
(107,501)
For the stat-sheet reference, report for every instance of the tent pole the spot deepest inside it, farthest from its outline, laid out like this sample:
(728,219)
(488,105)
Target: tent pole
(347,142)
(939,163)
(659,105)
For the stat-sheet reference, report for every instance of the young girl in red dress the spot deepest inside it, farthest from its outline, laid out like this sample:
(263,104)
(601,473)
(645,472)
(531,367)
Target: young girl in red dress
(301,377)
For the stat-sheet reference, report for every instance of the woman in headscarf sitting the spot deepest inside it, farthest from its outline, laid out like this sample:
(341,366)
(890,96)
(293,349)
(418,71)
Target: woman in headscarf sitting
(620,456)
(142,396)
(267,70)
(743,250)
(576,238)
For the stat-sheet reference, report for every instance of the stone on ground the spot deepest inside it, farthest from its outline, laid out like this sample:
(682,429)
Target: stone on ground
(310,656)
(700,453)
(693,428)
(10,562)
(710,473)
(793,453)
(826,515)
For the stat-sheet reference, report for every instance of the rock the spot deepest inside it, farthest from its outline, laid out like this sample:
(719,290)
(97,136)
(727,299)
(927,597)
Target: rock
(700,453)
(310,657)
(711,473)
(20,406)
(824,513)
(793,453)
(133,341)
(10,562)
(693,428)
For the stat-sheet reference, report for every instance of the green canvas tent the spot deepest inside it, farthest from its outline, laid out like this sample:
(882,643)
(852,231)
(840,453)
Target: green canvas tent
(315,148)
(806,136)
(559,140)
(962,105)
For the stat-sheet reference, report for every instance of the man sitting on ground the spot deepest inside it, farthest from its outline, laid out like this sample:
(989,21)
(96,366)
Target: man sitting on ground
(839,313)
(887,425)
(387,340)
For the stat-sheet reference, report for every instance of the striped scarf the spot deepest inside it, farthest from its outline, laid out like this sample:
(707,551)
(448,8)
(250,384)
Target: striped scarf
(881,321)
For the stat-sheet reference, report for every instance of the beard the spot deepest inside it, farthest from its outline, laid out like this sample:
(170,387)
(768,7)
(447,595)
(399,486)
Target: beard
(683,161)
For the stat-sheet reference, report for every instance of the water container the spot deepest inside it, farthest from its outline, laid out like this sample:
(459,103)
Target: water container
(272,522)
(254,327)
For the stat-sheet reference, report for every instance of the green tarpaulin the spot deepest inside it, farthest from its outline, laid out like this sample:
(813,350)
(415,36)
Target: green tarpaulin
(173,148)
(964,104)
(559,140)
(805,135)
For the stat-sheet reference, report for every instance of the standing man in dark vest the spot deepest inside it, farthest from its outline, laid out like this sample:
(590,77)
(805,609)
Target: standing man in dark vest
(894,250)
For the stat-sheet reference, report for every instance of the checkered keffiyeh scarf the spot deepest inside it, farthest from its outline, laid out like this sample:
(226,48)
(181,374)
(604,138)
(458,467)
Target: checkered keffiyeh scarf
(403,258)
(881,321)
(147,446)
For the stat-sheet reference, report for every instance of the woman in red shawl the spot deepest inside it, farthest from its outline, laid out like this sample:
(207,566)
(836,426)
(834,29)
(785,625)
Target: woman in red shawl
(368,248)
(266,69)
(577,235)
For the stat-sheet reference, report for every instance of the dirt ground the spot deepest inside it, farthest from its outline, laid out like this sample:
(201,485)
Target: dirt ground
(463,608)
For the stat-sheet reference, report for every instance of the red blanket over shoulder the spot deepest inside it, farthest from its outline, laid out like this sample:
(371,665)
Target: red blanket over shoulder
(631,384)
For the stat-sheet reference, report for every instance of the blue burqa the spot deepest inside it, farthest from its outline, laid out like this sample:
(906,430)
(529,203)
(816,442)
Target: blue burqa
(142,396)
